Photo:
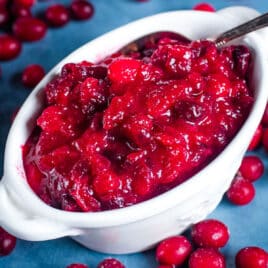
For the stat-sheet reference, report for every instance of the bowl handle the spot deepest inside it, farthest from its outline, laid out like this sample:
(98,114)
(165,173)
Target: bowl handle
(27,227)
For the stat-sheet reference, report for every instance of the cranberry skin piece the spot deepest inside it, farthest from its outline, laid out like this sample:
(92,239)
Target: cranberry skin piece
(256,139)
(251,168)
(206,257)
(7,242)
(241,192)
(10,47)
(251,257)
(82,9)
(3,3)
(77,265)
(4,16)
(210,233)
(173,251)
(110,263)
(29,29)
(265,139)
(32,75)
(25,3)
(57,15)
(204,7)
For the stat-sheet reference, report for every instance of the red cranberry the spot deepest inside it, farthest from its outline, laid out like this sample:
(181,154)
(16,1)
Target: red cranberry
(29,29)
(10,47)
(4,16)
(77,265)
(264,120)
(82,9)
(20,11)
(57,15)
(110,263)
(241,191)
(25,3)
(166,266)
(206,257)
(251,168)
(265,139)
(173,251)
(210,233)
(251,257)
(256,139)
(32,75)
(204,7)
(7,242)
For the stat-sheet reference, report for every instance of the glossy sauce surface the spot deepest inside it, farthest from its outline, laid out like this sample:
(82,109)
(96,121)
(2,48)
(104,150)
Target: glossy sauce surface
(133,126)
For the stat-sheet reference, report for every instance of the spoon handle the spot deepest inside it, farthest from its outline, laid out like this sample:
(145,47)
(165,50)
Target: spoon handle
(250,26)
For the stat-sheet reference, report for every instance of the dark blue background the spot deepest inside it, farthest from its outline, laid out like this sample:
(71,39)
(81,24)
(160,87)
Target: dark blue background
(248,225)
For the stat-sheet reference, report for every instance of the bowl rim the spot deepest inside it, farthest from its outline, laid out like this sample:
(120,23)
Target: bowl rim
(154,205)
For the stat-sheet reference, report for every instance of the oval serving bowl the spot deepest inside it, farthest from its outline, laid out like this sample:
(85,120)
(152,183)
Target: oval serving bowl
(140,226)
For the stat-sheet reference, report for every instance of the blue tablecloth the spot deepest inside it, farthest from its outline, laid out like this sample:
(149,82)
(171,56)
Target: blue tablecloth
(248,224)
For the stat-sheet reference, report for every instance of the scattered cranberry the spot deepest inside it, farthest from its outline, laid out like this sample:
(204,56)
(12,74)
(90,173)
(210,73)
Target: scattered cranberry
(173,251)
(57,15)
(32,75)
(7,242)
(251,168)
(4,17)
(20,11)
(25,3)
(29,29)
(110,263)
(204,7)
(77,265)
(251,257)
(207,258)
(10,47)
(241,191)
(82,9)
(166,266)
(256,139)
(210,233)
(265,139)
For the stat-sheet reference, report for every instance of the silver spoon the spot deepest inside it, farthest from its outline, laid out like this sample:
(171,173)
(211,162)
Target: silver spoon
(240,30)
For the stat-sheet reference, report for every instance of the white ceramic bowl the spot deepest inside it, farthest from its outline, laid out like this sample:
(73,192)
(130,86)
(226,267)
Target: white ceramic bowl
(140,226)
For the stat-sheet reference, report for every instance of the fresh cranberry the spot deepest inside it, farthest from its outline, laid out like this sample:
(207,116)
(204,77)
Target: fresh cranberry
(7,242)
(4,16)
(204,7)
(265,139)
(251,257)
(110,263)
(166,266)
(57,15)
(173,251)
(251,168)
(82,9)
(256,139)
(264,120)
(206,257)
(241,191)
(10,47)
(32,75)
(20,11)
(25,3)
(77,265)
(210,233)
(29,29)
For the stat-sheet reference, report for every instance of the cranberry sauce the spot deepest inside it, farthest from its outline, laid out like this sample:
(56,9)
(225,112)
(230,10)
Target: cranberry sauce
(133,126)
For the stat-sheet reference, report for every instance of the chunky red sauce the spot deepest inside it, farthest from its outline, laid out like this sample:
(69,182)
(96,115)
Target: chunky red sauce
(131,127)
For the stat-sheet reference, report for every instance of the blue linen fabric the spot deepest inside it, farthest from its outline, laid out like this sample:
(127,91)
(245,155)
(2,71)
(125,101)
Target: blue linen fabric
(248,224)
